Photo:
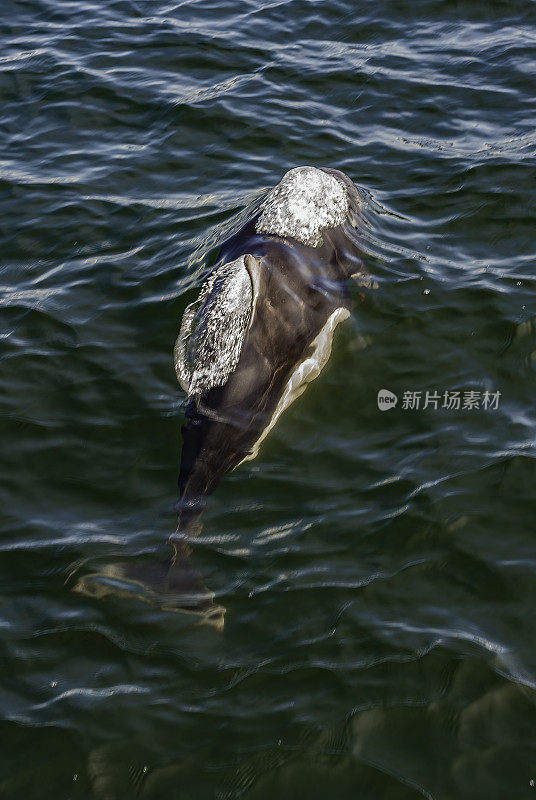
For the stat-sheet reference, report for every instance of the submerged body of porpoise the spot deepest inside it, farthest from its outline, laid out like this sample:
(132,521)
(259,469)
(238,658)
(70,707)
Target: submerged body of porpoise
(259,332)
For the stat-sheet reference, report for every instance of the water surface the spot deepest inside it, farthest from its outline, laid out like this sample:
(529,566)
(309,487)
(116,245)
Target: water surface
(378,568)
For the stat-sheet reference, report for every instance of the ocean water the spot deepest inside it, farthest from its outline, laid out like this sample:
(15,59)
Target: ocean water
(378,567)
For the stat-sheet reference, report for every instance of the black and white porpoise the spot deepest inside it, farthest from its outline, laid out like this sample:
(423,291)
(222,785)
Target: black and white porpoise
(260,330)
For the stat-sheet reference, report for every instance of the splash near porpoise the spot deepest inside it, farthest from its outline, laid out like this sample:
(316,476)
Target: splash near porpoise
(260,330)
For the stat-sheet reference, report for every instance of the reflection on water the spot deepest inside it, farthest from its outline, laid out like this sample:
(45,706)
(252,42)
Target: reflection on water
(377,568)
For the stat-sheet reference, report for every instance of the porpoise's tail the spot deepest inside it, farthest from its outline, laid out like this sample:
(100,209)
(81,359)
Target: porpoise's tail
(169,582)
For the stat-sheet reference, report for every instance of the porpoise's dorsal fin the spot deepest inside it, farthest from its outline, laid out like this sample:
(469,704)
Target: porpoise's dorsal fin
(214,326)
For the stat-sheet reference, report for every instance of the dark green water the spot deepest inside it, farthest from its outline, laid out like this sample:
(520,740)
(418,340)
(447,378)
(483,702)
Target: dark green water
(378,568)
